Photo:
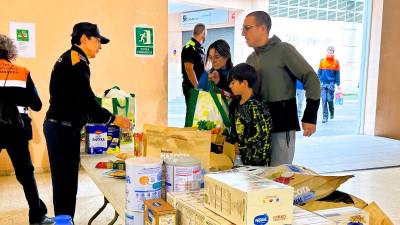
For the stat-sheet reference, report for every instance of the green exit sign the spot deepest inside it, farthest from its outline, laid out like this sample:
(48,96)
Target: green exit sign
(144,41)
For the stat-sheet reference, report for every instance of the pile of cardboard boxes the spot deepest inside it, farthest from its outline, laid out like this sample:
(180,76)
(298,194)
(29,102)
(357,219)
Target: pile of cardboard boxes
(244,199)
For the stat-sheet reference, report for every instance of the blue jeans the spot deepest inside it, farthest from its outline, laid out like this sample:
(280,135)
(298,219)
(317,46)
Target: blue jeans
(327,96)
(63,145)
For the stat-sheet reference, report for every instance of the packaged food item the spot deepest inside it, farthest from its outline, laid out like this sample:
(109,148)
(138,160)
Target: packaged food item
(96,141)
(138,144)
(304,217)
(119,164)
(183,174)
(113,139)
(159,212)
(346,216)
(143,181)
(246,199)
(115,173)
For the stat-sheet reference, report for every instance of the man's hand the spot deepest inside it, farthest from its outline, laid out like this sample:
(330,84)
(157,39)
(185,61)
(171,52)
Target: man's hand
(122,122)
(214,76)
(308,129)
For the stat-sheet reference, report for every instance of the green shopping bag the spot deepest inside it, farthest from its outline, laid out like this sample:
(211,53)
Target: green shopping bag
(119,103)
(207,105)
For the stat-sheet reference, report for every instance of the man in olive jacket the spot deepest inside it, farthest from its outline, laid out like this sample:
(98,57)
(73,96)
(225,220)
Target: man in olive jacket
(279,65)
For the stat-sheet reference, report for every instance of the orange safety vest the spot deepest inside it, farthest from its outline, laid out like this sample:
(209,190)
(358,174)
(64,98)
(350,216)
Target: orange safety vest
(13,76)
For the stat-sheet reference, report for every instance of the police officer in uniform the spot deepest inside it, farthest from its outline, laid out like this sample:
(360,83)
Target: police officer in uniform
(16,85)
(192,58)
(72,105)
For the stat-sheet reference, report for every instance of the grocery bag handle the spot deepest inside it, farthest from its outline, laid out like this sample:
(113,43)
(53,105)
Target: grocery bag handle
(221,110)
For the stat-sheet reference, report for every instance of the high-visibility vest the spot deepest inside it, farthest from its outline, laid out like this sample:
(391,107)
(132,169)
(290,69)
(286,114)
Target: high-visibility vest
(13,76)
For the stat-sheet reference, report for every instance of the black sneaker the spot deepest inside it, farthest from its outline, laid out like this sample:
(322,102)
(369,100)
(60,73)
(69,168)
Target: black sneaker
(45,220)
(332,116)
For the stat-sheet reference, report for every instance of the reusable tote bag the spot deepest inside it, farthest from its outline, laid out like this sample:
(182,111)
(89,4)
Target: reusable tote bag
(119,103)
(207,106)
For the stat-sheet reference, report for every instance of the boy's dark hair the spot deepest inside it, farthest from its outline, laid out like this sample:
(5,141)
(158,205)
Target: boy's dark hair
(243,71)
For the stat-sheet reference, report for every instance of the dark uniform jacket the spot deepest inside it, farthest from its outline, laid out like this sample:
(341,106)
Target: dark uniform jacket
(16,86)
(71,97)
(192,52)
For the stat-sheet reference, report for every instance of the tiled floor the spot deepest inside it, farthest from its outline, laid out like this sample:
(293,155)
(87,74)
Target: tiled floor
(346,152)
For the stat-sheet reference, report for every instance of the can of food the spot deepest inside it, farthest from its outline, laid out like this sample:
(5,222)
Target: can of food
(133,218)
(143,181)
(183,174)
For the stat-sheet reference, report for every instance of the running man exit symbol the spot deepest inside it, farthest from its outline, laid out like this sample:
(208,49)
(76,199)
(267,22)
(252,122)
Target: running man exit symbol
(144,41)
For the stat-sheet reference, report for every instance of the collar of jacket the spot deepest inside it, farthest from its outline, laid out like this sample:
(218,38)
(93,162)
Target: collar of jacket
(81,53)
(197,44)
(272,42)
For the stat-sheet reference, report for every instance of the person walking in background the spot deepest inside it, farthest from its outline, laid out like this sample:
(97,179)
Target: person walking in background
(299,97)
(72,105)
(279,65)
(18,90)
(329,75)
(192,60)
(219,55)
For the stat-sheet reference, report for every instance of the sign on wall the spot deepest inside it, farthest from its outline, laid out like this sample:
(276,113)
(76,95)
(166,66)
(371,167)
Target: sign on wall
(24,36)
(144,41)
(208,16)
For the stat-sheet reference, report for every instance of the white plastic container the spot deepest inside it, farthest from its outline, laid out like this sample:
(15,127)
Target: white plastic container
(143,181)
(183,174)
(133,218)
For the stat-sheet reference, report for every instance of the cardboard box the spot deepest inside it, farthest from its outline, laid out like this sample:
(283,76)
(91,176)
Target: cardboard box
(191,210)
(304,217)
(159,212)
(246,199)
(345,215)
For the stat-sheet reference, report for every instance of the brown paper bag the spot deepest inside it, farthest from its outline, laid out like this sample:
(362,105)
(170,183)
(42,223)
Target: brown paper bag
(376,215)
(308,185)
(160,140)
(336,199)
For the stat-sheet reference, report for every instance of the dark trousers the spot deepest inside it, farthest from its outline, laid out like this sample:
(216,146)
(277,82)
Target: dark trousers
(21,160)
(186,92)
(63,145)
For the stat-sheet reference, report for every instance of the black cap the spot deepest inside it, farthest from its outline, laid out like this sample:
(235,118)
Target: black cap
(90,30)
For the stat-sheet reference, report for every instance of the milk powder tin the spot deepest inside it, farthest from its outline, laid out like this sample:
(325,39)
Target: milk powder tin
(183,174)
(143,181)
(133,218)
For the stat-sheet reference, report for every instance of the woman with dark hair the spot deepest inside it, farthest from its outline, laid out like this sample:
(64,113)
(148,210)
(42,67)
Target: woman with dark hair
(219,55)
(18,92)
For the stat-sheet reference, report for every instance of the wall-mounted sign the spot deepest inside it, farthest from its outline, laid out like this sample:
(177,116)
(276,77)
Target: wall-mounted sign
(144,41)
(207,16)
(24,35)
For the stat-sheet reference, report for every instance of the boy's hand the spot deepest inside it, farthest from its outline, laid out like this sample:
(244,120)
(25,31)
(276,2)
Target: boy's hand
(308,129)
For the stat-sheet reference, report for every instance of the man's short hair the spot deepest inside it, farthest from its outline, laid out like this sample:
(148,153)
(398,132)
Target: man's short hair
(330,48)
(243,71)
(198,29)
(262,18)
